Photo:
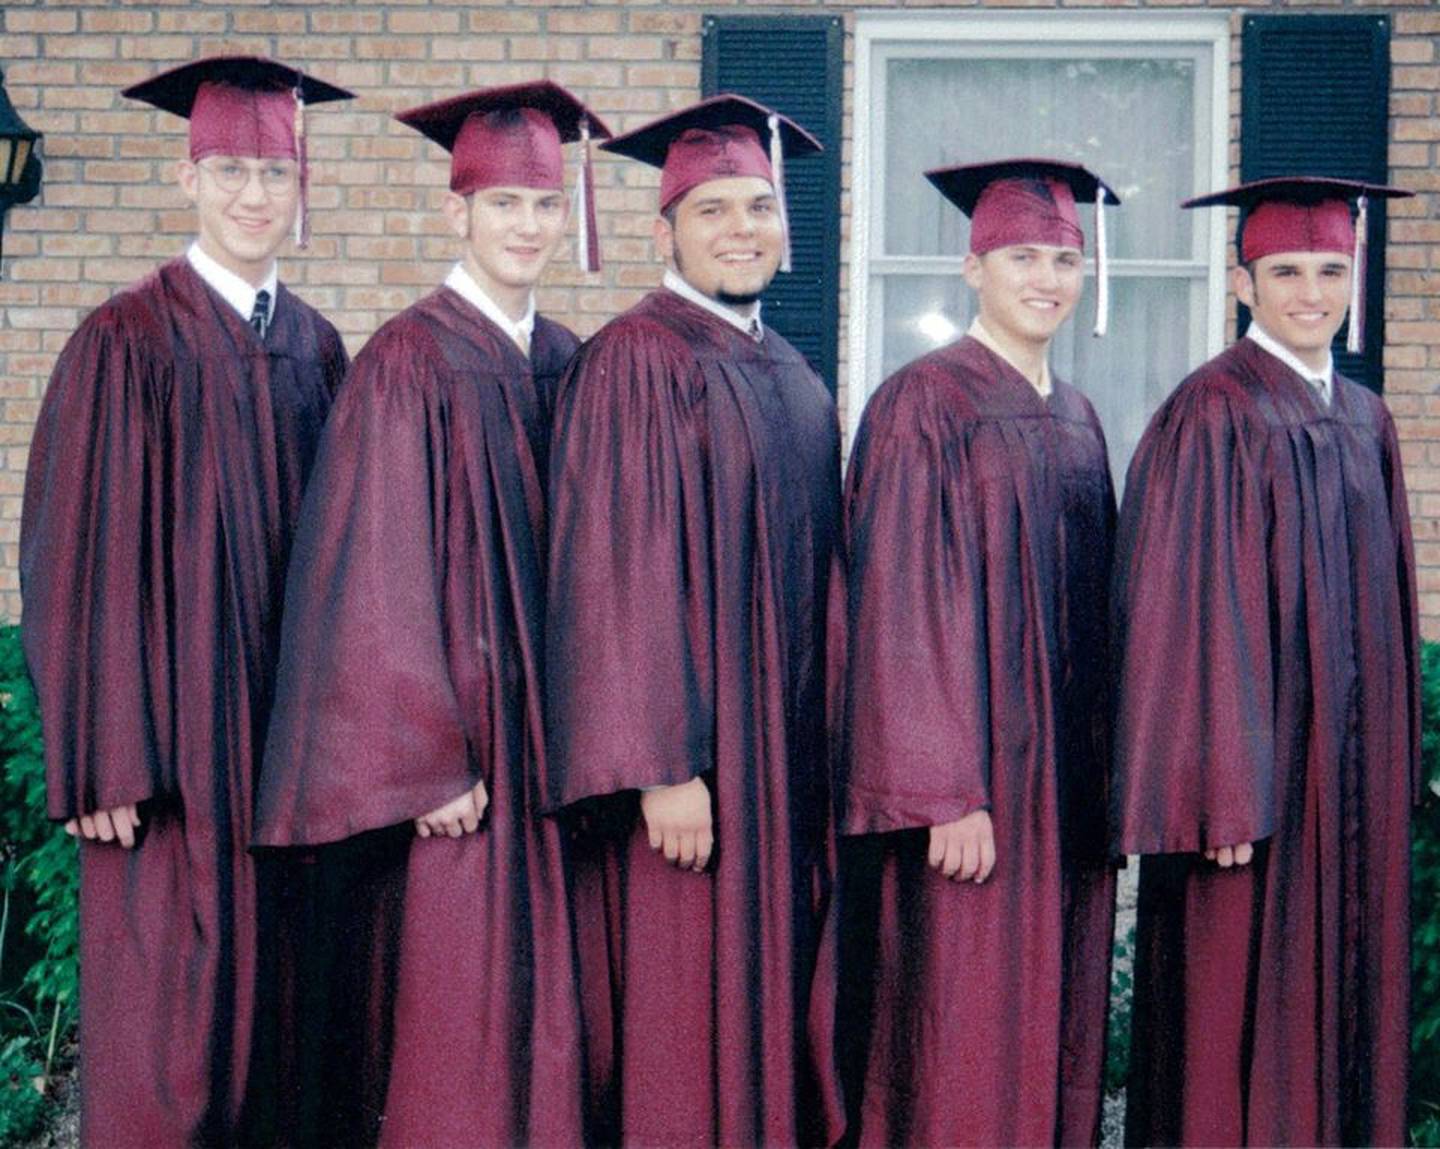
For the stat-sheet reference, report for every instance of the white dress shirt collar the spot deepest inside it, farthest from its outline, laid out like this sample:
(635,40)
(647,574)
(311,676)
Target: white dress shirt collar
(520,331)
(746,319)
(1321,381)
(977,332)
(235,291)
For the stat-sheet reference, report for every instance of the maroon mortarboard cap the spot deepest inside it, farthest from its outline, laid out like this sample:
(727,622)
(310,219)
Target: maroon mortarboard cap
(1029,200)
(513,137)
(1021,200)
(242,106)
(237,105)
(719,138)
(1304,213)
(1299,213)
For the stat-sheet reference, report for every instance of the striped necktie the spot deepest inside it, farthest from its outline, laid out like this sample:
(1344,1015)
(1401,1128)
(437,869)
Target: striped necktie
(260,316)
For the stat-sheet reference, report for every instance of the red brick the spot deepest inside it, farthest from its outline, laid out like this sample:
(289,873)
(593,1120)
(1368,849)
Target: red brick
(87,296)
(544,48)
(198,22)
(503,20)
(35,20)
(340,21)
(118,20)
(424,23)
(590,21)
(38,72)
(271,20)
(626,48)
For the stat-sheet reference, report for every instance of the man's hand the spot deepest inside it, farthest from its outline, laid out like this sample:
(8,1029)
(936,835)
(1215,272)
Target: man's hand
(1227,856)
(115,825)
(458,816)
(965,849)
(678,819)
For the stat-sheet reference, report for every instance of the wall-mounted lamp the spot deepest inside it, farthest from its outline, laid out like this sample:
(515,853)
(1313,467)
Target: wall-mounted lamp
(20,166)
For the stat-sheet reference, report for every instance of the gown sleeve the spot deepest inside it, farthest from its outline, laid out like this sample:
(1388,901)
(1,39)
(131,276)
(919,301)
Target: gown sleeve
(1409,600)
(94,562)
(629,651)
(366,730)
(1194,759)
(916,737)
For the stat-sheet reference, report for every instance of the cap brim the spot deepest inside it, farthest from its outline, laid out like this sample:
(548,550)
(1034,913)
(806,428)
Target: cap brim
(442,120)
(174,91)
(651,144)
(962,185)
(1294,189)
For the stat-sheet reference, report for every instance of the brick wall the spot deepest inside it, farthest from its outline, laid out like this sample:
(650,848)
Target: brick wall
(109,209)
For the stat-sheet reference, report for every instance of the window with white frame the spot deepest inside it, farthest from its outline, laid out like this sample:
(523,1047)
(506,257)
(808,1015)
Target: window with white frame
(1141,101)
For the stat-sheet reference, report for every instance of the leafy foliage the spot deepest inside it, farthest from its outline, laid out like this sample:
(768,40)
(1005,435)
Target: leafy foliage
(1425,928)
(39,884)
(1122,993)
(22,1105)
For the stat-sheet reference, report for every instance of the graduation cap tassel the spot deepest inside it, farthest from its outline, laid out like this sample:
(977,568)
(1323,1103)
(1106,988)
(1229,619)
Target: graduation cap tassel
(1102,266)
(302,220)
(589,239)
(1355,340)
(777,166)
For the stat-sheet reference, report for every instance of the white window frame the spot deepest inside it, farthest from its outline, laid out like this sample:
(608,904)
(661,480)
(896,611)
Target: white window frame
(1018,34)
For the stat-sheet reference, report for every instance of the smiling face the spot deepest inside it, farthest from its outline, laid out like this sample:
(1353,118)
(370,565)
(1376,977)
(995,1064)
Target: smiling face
(246,208)
(1026,291)
(1299,298)
(511,233)
(724,238)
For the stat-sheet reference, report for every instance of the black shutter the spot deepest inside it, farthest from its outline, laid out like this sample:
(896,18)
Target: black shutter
(1314,100)
(794,65)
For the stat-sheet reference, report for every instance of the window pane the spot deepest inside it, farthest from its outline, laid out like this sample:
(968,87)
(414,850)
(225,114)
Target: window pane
(1125,375)
(1130,120)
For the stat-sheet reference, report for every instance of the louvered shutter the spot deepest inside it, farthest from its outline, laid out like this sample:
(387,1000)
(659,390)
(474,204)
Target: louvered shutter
(1314,100)
(794,65)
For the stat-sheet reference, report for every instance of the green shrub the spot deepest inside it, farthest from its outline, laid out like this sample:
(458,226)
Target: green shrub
(39,886)
(1425,928)
(1122,994)
(22,1105)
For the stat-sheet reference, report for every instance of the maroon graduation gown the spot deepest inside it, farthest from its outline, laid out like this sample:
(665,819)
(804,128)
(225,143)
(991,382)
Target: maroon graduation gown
(1266,608)
(695,504)
(164,481)
(410,669)
(979,528)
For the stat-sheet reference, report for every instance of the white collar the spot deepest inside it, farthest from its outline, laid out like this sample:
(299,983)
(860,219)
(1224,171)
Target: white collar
(746,319)
(1321,380)
(977,332)
(235,291)
(521,331)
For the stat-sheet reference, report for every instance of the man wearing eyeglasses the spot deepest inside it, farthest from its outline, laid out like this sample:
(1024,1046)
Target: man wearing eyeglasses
(164,481)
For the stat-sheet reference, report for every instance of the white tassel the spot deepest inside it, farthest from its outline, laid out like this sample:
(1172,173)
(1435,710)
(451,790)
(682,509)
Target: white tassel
(777,168)
(1355,340)
(302,155)
(1102,266)
(582,197)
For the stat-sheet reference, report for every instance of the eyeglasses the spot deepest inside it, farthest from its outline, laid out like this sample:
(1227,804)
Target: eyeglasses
(277,177)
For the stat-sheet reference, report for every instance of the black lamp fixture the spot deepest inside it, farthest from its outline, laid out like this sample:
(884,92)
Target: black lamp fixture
(20,165)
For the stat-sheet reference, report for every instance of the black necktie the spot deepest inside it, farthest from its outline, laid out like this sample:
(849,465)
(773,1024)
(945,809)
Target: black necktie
(260,316)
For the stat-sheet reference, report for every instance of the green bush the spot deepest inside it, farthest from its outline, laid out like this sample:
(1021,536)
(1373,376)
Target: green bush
(1122,994)
(1425,928)
(39,884)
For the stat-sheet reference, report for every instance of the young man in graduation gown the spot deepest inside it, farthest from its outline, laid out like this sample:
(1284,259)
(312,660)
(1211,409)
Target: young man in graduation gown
(977,899)
(410,690)
(694,509)
(1268,724)
(164,482)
